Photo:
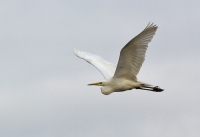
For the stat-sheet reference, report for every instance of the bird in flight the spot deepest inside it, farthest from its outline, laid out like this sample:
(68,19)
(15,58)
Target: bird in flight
(123,77)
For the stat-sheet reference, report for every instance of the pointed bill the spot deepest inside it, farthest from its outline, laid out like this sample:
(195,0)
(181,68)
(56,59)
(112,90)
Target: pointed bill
(95,84)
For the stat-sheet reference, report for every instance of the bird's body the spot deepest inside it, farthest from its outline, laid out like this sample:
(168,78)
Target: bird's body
(123,77)
(118,85)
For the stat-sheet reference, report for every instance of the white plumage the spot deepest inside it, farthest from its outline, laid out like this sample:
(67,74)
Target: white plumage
(123,77)
(106,68)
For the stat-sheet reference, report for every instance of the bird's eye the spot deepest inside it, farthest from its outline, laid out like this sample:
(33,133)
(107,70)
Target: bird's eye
(100,82)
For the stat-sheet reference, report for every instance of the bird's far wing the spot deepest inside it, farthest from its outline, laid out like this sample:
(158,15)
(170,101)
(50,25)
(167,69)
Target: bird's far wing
(106,68)
(132,54)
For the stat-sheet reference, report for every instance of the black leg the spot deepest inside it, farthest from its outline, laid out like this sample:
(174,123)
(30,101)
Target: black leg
(155,89)
(142,88)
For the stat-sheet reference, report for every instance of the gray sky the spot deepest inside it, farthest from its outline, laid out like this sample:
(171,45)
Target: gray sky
(43,86)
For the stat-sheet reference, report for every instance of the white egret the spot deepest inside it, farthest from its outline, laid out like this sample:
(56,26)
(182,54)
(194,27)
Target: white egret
(123,77)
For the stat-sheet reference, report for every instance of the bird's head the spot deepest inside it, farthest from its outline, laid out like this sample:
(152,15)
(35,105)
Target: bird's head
(106,89)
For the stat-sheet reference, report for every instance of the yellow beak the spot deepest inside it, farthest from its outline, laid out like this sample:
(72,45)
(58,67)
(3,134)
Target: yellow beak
(95,84)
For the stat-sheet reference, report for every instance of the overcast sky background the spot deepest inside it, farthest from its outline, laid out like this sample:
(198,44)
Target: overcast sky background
(43,85)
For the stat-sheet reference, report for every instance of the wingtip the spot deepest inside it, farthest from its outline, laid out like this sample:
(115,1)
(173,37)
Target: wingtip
(75,51)
(78,53)
(151,25)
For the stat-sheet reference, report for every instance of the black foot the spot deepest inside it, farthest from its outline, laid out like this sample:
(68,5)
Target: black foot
(157,89)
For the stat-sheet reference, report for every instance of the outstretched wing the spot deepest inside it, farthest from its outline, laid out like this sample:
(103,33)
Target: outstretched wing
(106,68)
(132,54)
